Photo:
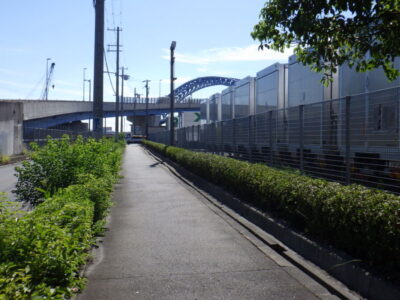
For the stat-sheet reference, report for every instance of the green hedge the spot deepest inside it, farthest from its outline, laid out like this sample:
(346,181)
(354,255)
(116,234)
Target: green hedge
(363,222)
(42,251)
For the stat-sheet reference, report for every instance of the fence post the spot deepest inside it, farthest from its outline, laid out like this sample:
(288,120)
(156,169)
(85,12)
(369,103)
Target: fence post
(271,157)
(301,137)
(205,131)
(198,136)
(222,137)
(347,139)
(216,138)
(234,137)
(250,138)
(185,138)
(192,144)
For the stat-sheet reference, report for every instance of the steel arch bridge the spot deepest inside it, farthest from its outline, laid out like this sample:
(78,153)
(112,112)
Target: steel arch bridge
(194,85)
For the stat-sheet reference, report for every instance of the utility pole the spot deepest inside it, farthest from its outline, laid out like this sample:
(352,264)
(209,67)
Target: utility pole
(84,83)
(90,91)
(172,94)
(98,68)
(123,77)
(147,108)
(136,96)
(116,81)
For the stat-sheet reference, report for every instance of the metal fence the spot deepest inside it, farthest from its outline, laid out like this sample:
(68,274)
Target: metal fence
(350,140)
(40,135)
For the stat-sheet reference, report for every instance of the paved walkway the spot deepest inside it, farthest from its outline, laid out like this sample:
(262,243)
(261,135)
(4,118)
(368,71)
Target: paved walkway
(164,242)
(8,180)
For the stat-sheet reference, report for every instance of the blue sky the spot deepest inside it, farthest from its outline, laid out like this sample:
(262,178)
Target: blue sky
(213,38)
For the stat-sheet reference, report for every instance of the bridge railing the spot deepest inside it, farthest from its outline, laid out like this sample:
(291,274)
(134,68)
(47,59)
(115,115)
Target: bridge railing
(162,100)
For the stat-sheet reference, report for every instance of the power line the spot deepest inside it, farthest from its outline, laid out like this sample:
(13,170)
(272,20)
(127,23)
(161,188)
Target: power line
(108,71)
(36,86)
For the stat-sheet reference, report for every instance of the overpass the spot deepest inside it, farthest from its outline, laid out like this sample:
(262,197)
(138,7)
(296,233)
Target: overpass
(44,114)
(19,116)
(16,116)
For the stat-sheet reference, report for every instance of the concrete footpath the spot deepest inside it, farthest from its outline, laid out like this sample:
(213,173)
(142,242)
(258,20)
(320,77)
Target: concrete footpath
(164,242)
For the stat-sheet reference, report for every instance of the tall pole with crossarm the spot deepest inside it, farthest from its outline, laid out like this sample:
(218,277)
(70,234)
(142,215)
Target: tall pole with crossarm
(98,68)
(172,94)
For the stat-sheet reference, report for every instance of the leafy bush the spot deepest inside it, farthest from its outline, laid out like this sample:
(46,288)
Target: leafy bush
(60,163)
(364,222)
(42,251)
(46,247)
(4,159)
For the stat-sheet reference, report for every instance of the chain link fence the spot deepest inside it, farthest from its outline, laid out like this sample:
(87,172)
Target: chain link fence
(350,140)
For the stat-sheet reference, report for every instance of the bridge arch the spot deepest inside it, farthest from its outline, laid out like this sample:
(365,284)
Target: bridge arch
(194,85)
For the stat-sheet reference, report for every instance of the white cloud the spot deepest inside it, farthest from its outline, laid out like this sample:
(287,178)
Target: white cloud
(230,54)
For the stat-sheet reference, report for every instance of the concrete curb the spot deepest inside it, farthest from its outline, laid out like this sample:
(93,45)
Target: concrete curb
(339,265)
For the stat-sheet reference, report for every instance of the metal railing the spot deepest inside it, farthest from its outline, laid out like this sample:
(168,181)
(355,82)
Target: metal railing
(350,140)
(40,135)
(161,100)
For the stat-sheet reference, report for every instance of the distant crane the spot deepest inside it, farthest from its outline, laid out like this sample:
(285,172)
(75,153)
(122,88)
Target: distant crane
(49,74)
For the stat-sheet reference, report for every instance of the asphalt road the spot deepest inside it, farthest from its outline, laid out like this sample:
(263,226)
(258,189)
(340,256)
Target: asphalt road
(8,180)
(164,242)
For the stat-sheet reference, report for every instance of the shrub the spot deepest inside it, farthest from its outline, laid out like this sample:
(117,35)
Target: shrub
(46,247)
(60,163)
(364,222)
(42,251)
(4,159)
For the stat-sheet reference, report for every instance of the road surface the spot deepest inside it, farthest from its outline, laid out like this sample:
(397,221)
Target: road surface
(8,180)
(165,242)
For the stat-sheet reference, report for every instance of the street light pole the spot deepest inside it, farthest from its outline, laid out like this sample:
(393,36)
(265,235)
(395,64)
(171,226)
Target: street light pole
(123,77)
(117,88)
(90,90)
(84,83)
(46,92)
(147,108)
(172,94)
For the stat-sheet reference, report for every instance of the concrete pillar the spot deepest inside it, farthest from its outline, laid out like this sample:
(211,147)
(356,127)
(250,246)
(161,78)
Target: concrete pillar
(11,118)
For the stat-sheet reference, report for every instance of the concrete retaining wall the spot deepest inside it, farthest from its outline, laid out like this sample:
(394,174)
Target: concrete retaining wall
(11,117)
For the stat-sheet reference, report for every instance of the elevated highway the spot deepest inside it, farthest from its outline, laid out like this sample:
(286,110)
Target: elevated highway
(44,114)
(19,115)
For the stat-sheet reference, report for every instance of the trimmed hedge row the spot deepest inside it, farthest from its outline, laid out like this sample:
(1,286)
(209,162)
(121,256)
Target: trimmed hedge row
(363,222)
(42,251)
